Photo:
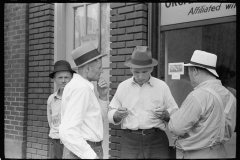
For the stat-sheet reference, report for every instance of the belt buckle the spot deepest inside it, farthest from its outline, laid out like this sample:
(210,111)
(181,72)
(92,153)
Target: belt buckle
(143,131)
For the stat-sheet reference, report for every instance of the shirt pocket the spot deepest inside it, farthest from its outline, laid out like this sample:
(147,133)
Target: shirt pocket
(56,118)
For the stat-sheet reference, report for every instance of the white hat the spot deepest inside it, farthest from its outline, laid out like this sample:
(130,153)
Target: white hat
(84,54)
(204,60)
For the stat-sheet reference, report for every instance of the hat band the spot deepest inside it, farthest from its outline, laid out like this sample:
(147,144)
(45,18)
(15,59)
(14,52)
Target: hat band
(87,56)
(206,66)
(141,63)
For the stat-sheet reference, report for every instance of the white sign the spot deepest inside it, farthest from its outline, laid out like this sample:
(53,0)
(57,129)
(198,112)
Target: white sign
(175,68)
(175,76)
(173,13)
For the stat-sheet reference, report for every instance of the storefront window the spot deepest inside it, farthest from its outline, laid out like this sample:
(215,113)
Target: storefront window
(180,44)
(87,24)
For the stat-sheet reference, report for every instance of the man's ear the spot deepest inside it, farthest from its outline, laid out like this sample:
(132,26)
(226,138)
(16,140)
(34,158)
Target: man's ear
(195,71)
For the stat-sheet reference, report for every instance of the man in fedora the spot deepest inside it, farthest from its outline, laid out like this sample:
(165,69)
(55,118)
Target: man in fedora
(61,75)
(207,117)
(138,106)
(81,129)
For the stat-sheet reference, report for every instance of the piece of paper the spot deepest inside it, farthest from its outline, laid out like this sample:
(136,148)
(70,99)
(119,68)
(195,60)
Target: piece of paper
(176,68)
(175,76)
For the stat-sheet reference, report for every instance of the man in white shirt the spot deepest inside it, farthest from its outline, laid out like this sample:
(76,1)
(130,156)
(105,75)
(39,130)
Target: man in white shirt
(142,105)
(61,75)
(81,128)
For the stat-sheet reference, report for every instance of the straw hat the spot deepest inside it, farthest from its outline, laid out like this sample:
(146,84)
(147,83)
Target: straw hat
(141,58)
(204,60)
(84,54)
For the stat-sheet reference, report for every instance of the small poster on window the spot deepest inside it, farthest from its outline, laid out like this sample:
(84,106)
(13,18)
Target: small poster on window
(175,68)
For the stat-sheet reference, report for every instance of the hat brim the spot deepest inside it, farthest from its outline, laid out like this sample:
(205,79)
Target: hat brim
(51,75)
(210,70)
(131,65)
(99,56)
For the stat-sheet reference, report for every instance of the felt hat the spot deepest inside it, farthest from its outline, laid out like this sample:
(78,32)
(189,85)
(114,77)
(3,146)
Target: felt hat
(84,54)
(61,65)
(204,60)
(141,58)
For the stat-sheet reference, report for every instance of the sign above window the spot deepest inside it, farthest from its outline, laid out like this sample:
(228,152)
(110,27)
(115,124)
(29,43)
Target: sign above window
(174,13)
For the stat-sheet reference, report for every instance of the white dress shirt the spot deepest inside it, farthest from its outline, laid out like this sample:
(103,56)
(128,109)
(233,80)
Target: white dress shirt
(82,115)
(141,102)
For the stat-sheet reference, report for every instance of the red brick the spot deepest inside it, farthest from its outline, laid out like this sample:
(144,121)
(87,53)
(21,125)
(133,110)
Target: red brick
(113,65)
(42,152)
(112,92)
(113,12)
(36,145)
(36,156)
(37,112)
(29,155)
(121,65)
(37,123)
(113,38)
(112,145)
(125,37)
(42,141)
(117,58)
(113,85)
(117,45)
(140,36)
(114,139)
(32,128)
(117,31)
(117,72)
(113,52)
(116,5)
(31,139)
(136,43)
(31,150)
(126,9)
(45,147)
(136,29)
(113,78)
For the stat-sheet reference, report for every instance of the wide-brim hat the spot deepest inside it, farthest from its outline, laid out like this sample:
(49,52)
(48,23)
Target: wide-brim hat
(84,54)
(204,60)
(141,58)
(61,65)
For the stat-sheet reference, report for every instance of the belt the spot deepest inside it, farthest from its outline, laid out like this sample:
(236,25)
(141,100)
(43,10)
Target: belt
(57,140)
(143,131)
(95,143)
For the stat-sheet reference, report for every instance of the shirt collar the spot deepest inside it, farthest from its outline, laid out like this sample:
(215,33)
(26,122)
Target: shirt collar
(206,83)
(149,82)
(79,77)
(56,94)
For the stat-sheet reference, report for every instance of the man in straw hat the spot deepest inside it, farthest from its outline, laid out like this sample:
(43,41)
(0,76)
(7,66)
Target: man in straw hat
(138,106)
(207,117)
(61,75)
(81,129)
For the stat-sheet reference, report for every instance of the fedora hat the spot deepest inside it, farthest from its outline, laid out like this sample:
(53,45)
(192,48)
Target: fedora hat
(204,60)
(141,58)
(85,54)
(61,65)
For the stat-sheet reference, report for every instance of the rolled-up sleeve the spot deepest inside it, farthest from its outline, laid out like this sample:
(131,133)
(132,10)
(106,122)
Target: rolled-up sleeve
(183,119)
(170,102)
(72,120)
(113,106)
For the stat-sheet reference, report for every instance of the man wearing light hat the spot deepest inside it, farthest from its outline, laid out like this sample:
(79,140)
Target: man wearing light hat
(207,117)
(82,114)
(142,105)
(61,75)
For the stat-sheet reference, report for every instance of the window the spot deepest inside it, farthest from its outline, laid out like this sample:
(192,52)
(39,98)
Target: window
(87,24)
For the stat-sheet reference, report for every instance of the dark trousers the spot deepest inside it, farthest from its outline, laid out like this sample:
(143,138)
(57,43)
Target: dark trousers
(150,146)
(67,154)
(55,149)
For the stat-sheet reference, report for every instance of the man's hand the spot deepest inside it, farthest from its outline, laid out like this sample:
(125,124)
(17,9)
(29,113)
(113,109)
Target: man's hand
(162,114)
(96,157)
(102,88)
(120,114)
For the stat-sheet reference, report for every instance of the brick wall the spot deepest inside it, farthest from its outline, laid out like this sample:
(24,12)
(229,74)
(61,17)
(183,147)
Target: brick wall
(15,81)
(41,56)
(128,23)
